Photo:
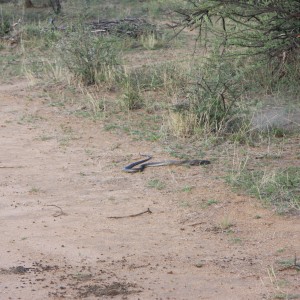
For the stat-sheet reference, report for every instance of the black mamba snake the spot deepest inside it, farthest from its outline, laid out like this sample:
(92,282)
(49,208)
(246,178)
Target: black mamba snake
(143,164)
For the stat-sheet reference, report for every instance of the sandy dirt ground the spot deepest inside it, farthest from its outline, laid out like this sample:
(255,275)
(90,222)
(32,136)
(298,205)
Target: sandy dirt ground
(61,181)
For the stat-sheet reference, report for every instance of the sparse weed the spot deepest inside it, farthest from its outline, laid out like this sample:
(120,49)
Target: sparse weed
(187,189)
(211,202)
(97,105)
(56,104)
(152,41)
(184,204)
(285,296)
(10,65)
(34,190)
(226,225)
(288,262)
(30,118)
(236,240)
(52,70)
(156,184)
(46,138)
(111,127)
(183,124)
(132,98)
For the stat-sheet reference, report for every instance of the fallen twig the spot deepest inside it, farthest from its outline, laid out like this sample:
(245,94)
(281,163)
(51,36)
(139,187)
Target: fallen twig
(61,213)
(133,27)
(148,211)
(196,224)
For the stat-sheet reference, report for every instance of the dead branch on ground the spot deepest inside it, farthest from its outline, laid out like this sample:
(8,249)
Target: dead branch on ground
(148,211)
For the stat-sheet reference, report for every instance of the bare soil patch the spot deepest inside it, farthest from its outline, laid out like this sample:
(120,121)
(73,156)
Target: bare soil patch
(61,184)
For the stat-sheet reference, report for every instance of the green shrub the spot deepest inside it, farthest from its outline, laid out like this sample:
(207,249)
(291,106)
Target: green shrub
(253,50)
(5,26)
(266,28)
(212,103)
(92,59)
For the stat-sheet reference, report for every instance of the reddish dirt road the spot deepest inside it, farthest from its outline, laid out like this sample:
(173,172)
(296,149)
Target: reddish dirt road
(61,180)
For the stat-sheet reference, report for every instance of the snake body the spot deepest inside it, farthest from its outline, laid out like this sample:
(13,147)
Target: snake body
(142,164)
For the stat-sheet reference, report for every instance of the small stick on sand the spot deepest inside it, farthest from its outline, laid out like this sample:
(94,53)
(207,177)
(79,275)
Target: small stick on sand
(148,211)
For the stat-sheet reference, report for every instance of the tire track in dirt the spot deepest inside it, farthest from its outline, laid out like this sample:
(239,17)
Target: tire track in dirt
(183,250)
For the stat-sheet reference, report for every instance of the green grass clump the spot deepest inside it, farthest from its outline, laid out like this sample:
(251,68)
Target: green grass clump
(279,188)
